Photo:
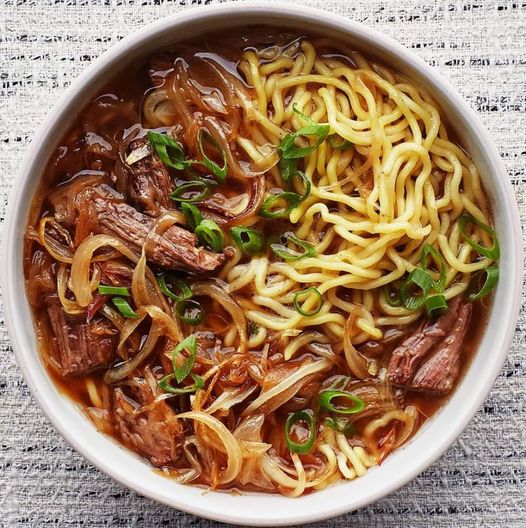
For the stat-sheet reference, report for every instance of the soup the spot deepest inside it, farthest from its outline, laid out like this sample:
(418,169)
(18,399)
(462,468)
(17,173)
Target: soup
(260,262)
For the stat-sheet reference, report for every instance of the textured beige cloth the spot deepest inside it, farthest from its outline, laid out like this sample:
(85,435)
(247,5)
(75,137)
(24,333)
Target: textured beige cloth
(480,47)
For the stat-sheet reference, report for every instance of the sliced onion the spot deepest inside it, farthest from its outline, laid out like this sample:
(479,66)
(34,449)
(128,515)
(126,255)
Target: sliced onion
(216,289)
(232,447)
(302,372)
(229,398)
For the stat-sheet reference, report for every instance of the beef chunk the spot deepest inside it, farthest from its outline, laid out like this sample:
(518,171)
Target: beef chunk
(174,249)
(150,182)
(80,347)
(156,432)
(438,374)
(428,360)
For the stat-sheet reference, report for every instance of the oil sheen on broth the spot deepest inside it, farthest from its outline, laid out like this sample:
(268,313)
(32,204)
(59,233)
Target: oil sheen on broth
(260,262)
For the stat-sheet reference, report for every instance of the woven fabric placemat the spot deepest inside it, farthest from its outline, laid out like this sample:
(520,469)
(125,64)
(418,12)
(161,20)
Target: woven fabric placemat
(480,47)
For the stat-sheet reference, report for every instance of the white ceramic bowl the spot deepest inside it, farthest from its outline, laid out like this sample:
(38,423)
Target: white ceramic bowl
(259,509)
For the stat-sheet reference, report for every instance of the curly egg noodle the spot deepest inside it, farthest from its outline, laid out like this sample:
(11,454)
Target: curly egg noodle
(385,181)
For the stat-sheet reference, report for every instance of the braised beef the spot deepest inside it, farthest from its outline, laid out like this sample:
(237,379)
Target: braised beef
(174,249)
(154,432)
(439,373)
(80,347)
(150,182)
(428,360)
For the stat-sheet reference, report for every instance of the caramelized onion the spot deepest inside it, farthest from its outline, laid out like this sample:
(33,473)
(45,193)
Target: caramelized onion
(232,447)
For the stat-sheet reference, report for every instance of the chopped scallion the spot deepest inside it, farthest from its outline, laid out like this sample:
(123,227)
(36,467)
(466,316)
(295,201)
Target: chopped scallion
(422,280)
(192,215)
(304,294)
(290,199)
(488,277)
(294,418)
(291,255)
(325,401)
(168,150)
(210,234)
(198,189)
(124,308)
(184,290)
(122,291)
(247,239)
(190,311)
(494,251)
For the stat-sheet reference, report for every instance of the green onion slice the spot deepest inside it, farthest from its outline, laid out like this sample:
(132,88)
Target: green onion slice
(488,277)
(184,290)
(392,297)
(325,401)
(216,170)
(210,234)
(298,296)
(124,308)
(168,150)
(190,311)
(288,168)
(294,418)
(113,290)
(247,239)
(422,280)
(494,251)
(290,255)
(339,424)
(428,249)
(289,150)
(190,345)
(436,304)
(306,183)
(200,187)
(268,209)
(338,143)
(192,215)
(165,384)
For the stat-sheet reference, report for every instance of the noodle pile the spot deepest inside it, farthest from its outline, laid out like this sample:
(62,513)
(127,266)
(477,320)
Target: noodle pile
(385,182)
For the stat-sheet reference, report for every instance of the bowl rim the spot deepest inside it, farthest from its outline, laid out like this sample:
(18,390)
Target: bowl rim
(11,263)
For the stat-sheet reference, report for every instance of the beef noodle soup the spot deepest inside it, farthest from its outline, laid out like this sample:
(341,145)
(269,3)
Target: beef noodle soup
(260,261)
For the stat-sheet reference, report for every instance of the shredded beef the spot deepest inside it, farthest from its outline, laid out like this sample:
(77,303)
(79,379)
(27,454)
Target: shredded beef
(80,347)
(154,432)
(173,249)
(150,182)
(428,360)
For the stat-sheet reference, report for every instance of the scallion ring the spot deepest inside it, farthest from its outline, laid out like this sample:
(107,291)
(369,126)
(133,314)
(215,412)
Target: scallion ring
(392,298)
(168,150)
(122,291)
(306,183)
(216,170)
(303,294)
(165,384)
(290,255)
(435,304)
(210,234)
(325,401)
(192,215)
(428,249)
(190,312)
(292,419)
(494,251)
(247,239)
(124,308)
(200,187)
(268,209)
(422,280)
(190,345)
(184,290)
(475,290)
